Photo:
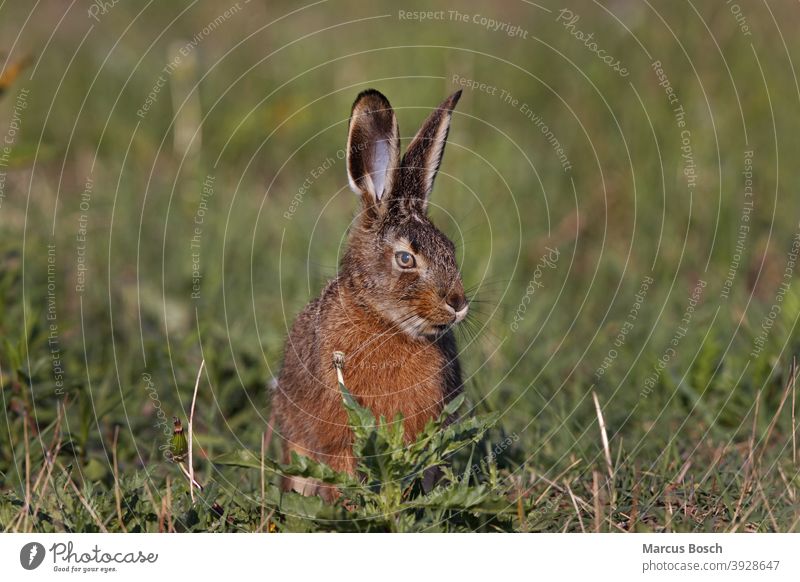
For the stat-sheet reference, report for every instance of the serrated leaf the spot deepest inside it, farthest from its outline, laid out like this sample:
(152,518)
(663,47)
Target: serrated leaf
(452,406)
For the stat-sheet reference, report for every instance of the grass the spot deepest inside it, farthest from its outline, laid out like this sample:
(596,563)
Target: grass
(595,401)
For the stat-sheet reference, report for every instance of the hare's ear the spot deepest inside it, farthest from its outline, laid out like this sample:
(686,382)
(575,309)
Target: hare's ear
(424,155)
(373,149)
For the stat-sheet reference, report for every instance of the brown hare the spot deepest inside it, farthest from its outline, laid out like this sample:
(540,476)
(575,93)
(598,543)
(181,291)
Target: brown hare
(391,308)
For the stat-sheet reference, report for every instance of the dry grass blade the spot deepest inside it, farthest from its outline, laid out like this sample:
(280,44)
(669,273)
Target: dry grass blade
(191,479)
(27,471)
(752,442)
(43,478)
(553,483)
(117,491)
(789,385)
(768,507)
(46,473)
(168,507)
(748,469)
(794,423)
(191,429)
(82,499)
(598,518)
(263,483)
(604,438)
(635,501)
(575,505)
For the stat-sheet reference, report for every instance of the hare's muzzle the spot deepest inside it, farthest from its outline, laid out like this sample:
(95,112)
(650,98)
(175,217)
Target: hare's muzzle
(457,304)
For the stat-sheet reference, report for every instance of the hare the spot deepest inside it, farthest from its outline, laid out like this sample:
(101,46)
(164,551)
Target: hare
(391,308)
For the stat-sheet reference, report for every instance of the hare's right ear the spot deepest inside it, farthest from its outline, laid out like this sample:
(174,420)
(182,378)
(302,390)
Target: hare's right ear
(373,149)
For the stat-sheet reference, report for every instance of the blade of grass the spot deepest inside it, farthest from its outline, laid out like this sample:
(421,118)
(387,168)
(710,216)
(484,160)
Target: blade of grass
(191,429)
(117,491)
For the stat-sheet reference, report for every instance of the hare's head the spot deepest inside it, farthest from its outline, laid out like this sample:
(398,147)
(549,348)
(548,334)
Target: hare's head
(400,264)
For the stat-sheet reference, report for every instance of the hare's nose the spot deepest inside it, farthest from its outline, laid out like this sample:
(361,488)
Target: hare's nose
(457,301)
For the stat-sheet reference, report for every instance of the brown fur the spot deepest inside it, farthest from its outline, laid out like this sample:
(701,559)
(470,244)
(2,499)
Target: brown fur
(392,323)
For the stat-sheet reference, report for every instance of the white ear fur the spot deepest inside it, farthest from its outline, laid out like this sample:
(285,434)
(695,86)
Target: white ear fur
(433,155)
(379,173)
(358,185)
(373,147)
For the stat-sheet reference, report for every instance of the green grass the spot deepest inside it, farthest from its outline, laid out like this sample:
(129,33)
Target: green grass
(699,439)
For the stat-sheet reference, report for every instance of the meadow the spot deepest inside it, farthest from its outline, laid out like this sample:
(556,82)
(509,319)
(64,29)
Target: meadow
(621,185)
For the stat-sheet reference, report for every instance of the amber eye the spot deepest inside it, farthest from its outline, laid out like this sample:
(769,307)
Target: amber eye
(405,260)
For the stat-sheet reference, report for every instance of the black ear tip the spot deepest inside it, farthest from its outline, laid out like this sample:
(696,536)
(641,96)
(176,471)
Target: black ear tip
(373,96)
(371,92)
(451,101)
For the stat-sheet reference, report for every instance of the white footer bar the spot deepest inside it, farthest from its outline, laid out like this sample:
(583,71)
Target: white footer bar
(384,557)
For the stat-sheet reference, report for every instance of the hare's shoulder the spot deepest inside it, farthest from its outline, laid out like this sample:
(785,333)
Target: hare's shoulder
(303,341)
(308,320)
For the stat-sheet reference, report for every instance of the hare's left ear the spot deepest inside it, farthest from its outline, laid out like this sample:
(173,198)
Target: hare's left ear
(424,155)
(373,149)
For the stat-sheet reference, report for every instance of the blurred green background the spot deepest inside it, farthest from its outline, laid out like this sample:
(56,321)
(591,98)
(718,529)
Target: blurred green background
(188,156)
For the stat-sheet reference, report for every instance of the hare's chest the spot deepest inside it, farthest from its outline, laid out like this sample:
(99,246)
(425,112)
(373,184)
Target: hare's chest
(392,375)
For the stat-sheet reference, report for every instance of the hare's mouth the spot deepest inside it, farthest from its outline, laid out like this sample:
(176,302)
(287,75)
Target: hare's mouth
(421,325)
(436,330)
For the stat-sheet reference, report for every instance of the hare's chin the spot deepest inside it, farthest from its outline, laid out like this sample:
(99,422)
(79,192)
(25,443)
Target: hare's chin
(435,330)
(438,330)
(418,327)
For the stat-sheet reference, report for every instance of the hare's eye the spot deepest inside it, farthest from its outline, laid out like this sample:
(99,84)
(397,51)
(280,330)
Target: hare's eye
(405,260)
